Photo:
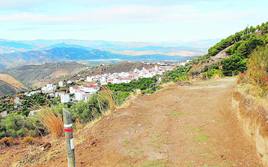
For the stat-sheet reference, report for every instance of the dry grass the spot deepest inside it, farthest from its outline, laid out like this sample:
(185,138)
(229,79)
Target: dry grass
(28,140)
(106,95)
(257,73)
(52,121)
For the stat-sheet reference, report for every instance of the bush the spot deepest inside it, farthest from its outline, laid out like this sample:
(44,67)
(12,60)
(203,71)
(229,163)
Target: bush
(212,73)
(179,74)
(86,111)
(16,125)
(120,97)
(143,84)
(258,68)
(246,47)
(234,65)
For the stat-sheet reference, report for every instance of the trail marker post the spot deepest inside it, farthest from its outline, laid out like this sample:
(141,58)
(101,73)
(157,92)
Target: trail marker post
(68,131)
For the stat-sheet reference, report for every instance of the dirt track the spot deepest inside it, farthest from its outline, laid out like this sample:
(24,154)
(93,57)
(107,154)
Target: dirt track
(181,126)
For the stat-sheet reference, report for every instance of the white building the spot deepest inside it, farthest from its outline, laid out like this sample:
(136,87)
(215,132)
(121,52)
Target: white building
(17,102)
(65,98)
(61,84)
(69,82)
(89,79)
(29,94)
(49,88)
(79,96)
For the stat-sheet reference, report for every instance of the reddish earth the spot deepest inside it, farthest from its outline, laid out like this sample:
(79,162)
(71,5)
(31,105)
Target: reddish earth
(180,126)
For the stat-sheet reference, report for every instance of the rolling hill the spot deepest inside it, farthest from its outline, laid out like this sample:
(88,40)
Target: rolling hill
(38,75)
(9,85)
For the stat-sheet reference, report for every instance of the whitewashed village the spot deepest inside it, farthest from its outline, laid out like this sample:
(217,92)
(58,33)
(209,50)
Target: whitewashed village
(91,84)
(80,89)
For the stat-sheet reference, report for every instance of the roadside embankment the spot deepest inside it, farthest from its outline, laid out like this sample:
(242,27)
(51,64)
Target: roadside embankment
(252,114)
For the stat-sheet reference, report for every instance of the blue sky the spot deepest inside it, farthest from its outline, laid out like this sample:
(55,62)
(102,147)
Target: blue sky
(128,20)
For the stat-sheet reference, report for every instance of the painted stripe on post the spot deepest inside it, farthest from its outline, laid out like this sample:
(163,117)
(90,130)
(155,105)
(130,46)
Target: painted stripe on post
(68,125)
(68,130)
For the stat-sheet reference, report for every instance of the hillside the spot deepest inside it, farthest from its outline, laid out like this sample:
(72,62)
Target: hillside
(230,55)
(38,75)
(9,85)
(10,80)
(7,89)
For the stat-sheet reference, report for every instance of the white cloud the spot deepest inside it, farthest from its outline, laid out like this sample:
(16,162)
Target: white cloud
(126,14)
(15,4)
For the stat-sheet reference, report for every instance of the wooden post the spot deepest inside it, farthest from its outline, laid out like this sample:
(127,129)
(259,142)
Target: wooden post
(68,131)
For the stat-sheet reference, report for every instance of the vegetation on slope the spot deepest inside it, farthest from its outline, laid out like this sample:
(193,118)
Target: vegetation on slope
(257,74)
(236,50)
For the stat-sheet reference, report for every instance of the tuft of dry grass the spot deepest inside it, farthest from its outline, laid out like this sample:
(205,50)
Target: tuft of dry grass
(52,121)
(28,140)
(107,95)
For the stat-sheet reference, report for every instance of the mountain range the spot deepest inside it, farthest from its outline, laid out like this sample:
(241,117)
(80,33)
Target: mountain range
(60,54)
(17,53)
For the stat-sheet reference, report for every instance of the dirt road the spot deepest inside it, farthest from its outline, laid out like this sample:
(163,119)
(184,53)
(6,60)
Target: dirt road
(181,126)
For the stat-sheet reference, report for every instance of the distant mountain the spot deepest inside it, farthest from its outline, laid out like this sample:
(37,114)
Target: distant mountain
(59,54)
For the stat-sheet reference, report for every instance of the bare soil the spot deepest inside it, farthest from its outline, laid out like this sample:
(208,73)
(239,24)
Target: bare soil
(179,126)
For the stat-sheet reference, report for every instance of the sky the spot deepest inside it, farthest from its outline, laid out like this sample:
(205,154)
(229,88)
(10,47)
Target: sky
(128,20)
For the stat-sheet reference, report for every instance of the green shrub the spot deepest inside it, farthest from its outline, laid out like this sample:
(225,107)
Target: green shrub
(120,97)
(86,111)
(143,84)
(16,125)
(212,73)
(233,65)
(179,74)
(246,47)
